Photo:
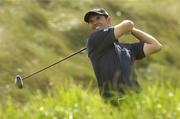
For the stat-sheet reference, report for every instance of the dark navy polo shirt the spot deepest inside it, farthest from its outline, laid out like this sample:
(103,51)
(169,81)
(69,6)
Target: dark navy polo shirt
(113,62)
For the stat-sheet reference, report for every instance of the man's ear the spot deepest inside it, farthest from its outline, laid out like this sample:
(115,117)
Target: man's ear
(109,20)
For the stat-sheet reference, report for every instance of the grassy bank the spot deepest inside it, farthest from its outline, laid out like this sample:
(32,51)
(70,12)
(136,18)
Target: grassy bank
(36,33)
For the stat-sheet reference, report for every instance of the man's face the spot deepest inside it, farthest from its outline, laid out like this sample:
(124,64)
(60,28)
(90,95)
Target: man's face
(98,22)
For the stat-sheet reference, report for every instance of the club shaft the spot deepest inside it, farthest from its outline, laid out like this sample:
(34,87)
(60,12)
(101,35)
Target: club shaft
(67,57)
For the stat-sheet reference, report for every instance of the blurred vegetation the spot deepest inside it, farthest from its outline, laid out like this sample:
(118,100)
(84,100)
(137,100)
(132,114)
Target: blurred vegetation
(36,33)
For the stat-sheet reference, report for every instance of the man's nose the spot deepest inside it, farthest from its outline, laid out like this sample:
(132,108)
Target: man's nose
(95,22)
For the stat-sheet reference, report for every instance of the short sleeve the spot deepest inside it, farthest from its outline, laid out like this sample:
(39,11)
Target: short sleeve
(137,49)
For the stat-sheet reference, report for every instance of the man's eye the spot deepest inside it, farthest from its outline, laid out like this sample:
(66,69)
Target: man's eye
(98,17)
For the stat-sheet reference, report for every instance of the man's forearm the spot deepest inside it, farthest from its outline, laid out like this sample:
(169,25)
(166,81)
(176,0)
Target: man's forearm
(142,36)
(151,44)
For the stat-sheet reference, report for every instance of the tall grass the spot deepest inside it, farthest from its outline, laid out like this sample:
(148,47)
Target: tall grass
(36,33)
(75,102)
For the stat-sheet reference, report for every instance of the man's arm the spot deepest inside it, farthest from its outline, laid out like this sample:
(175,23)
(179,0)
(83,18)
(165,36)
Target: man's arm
(151,45)
(123,27)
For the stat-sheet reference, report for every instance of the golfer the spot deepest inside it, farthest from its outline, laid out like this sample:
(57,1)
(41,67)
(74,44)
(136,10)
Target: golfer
(112,60)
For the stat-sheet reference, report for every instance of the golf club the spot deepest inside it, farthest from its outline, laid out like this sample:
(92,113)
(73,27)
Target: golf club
(19,79)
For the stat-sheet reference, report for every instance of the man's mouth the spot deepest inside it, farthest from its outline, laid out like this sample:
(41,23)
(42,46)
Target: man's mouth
(97,27)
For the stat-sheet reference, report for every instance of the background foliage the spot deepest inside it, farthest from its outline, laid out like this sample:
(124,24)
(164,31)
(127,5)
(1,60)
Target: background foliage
(35,33)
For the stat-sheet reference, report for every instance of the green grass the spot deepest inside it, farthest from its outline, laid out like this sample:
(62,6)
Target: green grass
(78,103)
(36,33)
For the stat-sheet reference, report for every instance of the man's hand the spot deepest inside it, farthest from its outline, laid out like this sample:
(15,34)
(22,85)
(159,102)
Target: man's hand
(123,27)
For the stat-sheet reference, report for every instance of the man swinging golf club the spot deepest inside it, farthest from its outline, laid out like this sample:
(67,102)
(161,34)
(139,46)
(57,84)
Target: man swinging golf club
(113,61)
